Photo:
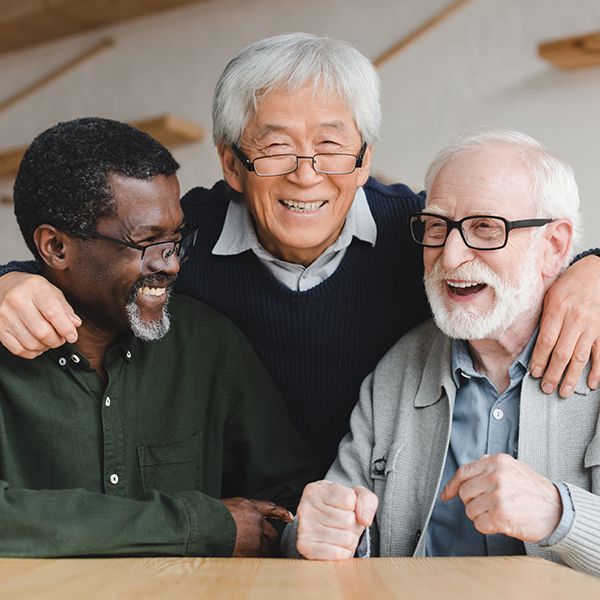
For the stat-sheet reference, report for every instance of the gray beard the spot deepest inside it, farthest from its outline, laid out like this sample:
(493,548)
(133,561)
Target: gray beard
(513,299)
(147,330)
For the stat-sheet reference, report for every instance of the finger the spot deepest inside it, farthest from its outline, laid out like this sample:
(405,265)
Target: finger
(321,551)
(366,506)
(550,327)
(478,505)
(25,341)
(486,524)
(561,355)
(327,516)
(59,314)
(594,375)
(32,330)
(344,538)
(463,474)
(273,511)
(330,494)
(269,540)
(12,344)
(581,355)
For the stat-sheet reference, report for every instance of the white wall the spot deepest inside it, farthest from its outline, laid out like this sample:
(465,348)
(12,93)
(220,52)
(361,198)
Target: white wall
(479,67)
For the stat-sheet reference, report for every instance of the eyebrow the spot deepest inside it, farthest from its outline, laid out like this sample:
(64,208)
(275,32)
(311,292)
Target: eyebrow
(438,211)
(144,233)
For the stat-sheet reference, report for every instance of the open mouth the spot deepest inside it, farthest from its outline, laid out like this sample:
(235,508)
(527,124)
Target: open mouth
(303,207)
(152,291)
(464,288)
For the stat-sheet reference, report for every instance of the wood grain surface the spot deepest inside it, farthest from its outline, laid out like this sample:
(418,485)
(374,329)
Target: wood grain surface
(411,578)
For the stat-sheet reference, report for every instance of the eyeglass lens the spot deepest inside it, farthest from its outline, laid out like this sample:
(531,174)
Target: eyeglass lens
(334,164)
(478,232)
(163,251)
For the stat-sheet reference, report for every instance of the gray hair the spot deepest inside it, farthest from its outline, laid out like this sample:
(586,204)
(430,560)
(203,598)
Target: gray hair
(553,181)
(289,62)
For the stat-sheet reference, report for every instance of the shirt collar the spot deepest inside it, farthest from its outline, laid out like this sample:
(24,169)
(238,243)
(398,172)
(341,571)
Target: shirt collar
(239,235)
(69,355)
(462,363)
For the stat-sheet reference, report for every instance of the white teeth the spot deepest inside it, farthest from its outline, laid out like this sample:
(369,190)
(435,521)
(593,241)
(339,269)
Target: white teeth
(152,291)
(463,284)
(302,206)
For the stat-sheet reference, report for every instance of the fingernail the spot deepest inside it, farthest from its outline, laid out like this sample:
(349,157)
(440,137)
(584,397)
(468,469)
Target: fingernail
(593,385)
(71,338)
(536,372)
(548,388)
(567,390)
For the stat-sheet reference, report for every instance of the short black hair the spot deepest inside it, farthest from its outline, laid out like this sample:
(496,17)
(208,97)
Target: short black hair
(63,177)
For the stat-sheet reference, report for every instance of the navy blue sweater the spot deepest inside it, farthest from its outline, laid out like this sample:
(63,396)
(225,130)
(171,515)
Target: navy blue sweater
(321,343)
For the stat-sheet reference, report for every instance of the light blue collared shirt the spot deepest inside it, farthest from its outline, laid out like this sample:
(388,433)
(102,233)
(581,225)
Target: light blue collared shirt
(483,422)
(239,235)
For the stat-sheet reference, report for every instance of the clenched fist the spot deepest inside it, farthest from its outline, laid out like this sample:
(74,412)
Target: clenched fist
(331,519)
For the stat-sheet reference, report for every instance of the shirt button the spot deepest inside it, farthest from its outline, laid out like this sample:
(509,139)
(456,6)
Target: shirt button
(128,354)
(498,414)
(62,361)
(75,359)
(107,401)
(114,479)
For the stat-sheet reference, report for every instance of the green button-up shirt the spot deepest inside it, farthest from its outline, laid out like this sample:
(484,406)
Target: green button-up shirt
(137,466)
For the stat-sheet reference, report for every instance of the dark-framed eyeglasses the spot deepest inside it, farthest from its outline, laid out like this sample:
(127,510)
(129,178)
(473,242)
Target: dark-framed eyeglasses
(480,232)
(281,164)
(157,252)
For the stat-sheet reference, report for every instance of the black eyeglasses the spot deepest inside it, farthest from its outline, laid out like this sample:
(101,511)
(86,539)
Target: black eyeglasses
(155,252)
(282,164)
(480,232)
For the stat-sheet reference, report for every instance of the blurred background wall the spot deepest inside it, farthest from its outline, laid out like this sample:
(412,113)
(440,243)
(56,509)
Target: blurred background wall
(477,67)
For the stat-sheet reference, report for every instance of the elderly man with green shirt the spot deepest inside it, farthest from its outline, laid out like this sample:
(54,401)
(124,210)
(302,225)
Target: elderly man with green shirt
(153,434)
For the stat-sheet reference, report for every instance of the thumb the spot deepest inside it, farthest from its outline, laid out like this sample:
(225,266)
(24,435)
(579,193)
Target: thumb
(366,506)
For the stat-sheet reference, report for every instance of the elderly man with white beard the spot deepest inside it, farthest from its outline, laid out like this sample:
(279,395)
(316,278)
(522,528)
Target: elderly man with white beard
(453,448)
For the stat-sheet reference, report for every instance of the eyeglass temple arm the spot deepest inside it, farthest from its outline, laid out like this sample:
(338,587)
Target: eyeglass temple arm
(526,223)
(242,158)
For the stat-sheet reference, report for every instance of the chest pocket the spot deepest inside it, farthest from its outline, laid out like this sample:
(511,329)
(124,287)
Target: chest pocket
(172,467)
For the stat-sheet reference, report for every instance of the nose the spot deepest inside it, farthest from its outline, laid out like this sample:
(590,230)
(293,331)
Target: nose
(170,266)
(305,175)
(455,252)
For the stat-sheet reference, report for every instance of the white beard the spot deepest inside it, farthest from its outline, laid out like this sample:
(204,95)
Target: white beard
(147,330)
(512,299)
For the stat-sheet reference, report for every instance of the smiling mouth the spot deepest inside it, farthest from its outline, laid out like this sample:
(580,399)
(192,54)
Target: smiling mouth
(152,291)
(303,207)
(464,288)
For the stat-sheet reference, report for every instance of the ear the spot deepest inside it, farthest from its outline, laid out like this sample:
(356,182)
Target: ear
(54,246)
(559,237)
(365,170)
(231,166)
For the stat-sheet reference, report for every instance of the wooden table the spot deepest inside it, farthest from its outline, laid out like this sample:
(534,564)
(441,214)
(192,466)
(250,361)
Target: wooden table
(502,578)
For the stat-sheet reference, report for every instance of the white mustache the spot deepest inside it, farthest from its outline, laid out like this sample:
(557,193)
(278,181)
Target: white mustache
(475,271)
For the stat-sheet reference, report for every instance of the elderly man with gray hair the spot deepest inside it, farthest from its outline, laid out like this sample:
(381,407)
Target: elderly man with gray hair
(307,254)
(452,437)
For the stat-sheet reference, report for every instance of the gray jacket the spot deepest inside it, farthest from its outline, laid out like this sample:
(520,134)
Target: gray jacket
(399,437)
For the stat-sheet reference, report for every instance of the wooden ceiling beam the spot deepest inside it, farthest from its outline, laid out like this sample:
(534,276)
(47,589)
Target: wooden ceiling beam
(25,23)
(574,52)
(167,129)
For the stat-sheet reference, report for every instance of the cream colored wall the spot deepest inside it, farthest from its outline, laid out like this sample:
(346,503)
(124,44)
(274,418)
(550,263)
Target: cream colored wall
(479,67)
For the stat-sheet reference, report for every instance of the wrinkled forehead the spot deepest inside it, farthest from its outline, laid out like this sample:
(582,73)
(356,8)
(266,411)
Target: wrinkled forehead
(291,110)
(492,181)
